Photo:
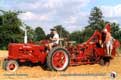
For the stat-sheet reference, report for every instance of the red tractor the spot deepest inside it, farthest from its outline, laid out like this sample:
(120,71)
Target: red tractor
(59,58)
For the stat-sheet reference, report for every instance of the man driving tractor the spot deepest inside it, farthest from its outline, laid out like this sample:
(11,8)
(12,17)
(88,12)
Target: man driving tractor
(53,40)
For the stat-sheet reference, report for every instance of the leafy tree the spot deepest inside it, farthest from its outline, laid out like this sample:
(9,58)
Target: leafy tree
(39,34)
(76,36)
(87,33)
(10,30)
(61,31)
(30,33)
(95,19)
(115,31)
(96,22)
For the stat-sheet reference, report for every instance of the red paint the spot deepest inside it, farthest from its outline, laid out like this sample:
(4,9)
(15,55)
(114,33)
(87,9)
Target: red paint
(58,59)
(85,53)
(24,52)
(11,66)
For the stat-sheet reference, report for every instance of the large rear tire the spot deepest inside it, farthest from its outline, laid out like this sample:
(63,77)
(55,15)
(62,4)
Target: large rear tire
(58,59)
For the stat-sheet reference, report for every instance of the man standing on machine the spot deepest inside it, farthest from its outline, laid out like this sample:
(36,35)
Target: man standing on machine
(108,42)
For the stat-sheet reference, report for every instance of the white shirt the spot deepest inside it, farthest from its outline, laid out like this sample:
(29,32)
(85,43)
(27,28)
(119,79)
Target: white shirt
(56,36)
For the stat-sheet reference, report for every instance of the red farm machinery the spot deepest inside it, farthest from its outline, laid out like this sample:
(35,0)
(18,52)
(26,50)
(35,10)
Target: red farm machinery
(59,58)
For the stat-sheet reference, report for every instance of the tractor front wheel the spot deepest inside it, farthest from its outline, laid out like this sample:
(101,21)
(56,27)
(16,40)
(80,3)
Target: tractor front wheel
(58,59)
(10,65)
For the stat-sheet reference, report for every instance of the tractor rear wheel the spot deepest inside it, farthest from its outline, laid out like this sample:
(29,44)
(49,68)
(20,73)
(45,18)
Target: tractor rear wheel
(58,59)
(10,65)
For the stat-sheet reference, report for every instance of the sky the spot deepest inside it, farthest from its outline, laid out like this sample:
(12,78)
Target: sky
(71,14)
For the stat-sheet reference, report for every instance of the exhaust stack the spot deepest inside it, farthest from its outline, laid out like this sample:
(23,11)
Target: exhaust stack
(25,36)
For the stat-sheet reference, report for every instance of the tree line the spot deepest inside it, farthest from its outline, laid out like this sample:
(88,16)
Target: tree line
(11,28)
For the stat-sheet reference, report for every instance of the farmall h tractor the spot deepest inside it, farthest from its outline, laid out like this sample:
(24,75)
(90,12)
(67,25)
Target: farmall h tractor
(59,58)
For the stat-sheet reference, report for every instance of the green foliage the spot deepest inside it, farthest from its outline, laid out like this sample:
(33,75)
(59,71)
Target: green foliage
(39,34)
(62,32)
(77,36)
(95,23)
(10,29)
(30,33)
(115,31)
(95,19)
(87,33)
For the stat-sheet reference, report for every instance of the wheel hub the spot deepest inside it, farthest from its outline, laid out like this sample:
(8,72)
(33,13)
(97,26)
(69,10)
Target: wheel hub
(12,66)
(59,59)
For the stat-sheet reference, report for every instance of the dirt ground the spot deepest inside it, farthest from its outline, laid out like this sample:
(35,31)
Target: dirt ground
(82,72)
